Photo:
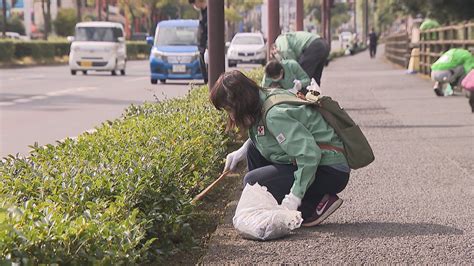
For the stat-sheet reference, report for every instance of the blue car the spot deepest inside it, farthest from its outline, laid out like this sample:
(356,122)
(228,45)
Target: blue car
(174,53)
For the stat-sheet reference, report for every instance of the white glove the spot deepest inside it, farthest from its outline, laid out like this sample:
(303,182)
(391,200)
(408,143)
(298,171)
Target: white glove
(237,156)
(291,202)
(297,85)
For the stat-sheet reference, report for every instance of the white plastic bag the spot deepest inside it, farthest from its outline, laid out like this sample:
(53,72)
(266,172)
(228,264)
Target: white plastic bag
(258,215)
(313,86)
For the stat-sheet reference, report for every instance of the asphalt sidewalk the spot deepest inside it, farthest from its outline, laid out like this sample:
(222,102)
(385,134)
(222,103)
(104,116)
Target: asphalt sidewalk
(414,204)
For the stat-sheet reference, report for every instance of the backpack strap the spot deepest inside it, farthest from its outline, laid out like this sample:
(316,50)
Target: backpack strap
(275,99)
(289,99)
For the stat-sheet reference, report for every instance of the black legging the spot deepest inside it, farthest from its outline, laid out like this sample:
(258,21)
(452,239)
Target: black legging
(279,178)
(202,65)
(313,59)
(373,50)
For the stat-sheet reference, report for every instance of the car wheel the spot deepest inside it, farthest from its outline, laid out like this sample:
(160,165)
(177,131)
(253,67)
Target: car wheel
(122,72)
(73,72)
(84,72)
(113,73)
(154,81)
(163,81)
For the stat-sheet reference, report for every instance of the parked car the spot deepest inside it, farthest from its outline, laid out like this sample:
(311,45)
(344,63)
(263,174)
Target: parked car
(174,53)
(247,48)
(98,46)
(14,36)
(346,39)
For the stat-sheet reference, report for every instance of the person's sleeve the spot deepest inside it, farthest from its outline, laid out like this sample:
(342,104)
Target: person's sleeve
(296,141)
(300,74)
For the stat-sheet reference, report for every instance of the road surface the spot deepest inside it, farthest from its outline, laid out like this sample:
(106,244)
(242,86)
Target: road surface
(45,104)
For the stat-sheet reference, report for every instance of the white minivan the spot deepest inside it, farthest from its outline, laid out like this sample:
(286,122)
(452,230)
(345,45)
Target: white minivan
(99,46)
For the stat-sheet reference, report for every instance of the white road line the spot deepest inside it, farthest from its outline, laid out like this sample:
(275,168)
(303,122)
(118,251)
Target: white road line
(136,79)
(23,78)
(38,97)
(85,89)
(23,100)
(47,95)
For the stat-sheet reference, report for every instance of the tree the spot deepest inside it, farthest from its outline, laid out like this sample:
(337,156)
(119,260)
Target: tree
(444,11)
(385,14)
(133,9)
(234,9)
(14,24)
(65,22)
(339,13)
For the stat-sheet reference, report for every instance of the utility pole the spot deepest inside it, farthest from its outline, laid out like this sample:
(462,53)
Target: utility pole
(326,20)
(299,15)
(366,20)
(216,24)
(27,15)
(354,7)
(273,12)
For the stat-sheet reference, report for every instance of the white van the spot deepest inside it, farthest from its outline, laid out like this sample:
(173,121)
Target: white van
(98,46)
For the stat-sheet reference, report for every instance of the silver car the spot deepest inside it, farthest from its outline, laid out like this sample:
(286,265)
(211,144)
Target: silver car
(247,47)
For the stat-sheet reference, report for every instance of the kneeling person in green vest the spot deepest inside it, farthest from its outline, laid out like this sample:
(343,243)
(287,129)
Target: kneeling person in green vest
(294,152)
(309,50)
(286,74)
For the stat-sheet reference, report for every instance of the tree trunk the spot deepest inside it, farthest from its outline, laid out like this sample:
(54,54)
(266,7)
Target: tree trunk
(99,10)
(79,13)
(46,8)
(4,7)
(151,21)
(227,24)
(133,20)
(106,10)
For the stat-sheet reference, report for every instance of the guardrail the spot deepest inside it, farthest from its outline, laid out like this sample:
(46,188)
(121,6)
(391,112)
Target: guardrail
(397,49)
(435,41)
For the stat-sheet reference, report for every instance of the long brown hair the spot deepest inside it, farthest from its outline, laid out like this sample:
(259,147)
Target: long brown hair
(239,96)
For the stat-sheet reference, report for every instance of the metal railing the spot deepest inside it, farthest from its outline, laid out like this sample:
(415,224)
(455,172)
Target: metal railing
(397,49)
(436,41)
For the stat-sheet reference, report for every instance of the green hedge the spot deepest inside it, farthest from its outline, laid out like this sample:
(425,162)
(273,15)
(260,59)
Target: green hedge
(118,195)
(135,49)
(7,50)
(47,50)
(39,50)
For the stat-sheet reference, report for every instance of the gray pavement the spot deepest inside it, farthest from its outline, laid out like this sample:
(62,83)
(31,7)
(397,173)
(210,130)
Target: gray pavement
(414,204)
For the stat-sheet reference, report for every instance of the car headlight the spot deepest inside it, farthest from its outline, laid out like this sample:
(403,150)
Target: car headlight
(157,54)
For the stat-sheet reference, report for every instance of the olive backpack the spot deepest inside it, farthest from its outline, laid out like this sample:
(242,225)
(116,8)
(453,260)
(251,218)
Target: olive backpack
(357,149)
